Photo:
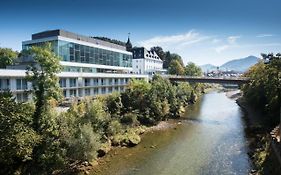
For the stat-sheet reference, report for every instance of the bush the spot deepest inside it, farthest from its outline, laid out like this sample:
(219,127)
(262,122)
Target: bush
(130,119)
(84,144)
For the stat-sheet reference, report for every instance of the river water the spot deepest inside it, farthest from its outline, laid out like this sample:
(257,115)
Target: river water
(210,140)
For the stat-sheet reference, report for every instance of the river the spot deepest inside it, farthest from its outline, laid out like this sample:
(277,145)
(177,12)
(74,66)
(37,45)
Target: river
(210,140)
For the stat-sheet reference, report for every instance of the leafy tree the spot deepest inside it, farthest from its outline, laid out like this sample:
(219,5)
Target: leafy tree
(7,57)
(135,96)
(264,89)
(175,68)
(44,79)
(192,70)
(17,136)
(114,104)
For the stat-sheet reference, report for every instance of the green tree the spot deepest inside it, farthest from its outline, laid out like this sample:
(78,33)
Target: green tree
(192,70)
(264,89)
(44,79)
(7,57)
(175,68)
(17,135)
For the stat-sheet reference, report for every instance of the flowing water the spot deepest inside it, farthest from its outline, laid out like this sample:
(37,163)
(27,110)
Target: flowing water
(210,140)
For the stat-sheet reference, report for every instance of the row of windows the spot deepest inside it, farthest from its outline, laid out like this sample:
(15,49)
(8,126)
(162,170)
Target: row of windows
(89,70)
(73,82)
(21,84)
(73,52)
(91,91)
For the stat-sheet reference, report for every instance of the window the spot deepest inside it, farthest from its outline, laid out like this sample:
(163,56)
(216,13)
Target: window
(62,82)
(21,84)
(102,81)
(72,82)
(96,91)
(103,90)
(72,93)
(109,89)
(110,81)
(96,81)
(87,92)
(87,82)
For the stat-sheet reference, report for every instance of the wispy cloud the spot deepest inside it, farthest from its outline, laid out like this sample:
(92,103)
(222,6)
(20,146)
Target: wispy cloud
(219,49)
(264,35)
(230,42)
(232,39)
(180,40)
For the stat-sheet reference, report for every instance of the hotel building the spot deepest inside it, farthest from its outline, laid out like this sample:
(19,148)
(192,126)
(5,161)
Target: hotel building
(90,66)
(146,62)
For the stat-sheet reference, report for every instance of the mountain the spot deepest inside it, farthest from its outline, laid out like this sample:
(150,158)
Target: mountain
(240,65)
(208,67)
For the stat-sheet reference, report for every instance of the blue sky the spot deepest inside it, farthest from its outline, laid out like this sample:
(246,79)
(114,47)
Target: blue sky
(201,31)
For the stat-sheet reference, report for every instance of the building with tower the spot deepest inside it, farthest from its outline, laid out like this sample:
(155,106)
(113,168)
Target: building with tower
(90,66)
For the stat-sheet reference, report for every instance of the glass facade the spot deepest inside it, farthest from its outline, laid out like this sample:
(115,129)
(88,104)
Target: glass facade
(73,52)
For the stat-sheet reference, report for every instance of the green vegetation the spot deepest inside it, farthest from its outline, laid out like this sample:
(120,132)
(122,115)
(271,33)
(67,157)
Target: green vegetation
(7,57)
(88,128)
(173,62)
(192,70)
(36,139)
(264,89)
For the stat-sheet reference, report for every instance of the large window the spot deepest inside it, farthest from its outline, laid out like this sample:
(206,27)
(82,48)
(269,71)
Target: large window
(73,52)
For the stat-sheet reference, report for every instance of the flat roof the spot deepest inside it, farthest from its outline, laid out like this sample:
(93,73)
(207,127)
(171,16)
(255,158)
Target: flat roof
(64,33)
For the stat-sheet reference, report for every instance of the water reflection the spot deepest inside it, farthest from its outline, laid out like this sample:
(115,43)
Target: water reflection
(211,140)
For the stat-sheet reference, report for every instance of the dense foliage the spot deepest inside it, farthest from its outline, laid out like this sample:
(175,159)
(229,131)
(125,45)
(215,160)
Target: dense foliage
(43,76)
(264,89)
(7,57)
(192,70)
(88,128)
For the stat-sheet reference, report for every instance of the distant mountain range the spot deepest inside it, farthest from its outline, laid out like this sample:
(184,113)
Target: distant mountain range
(240,65)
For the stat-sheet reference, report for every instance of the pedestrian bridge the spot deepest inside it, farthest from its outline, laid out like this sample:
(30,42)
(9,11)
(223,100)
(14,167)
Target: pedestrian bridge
(217,80)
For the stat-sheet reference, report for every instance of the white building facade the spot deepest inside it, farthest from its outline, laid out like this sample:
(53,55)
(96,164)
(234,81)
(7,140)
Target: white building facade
(146,62)
(90,66)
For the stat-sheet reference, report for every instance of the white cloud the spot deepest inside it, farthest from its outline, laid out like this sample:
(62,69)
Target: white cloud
(219,49)
(264,35)
(232,39)
(231,42)
(172,41)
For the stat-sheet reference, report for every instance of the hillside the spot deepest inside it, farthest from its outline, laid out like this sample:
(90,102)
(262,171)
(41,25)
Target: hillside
(239,65)
(208,67)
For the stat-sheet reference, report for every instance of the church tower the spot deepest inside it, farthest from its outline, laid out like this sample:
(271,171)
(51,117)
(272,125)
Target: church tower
(129,44)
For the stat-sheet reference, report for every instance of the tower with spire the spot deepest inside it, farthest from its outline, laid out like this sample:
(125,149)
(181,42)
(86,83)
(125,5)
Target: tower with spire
(129,44)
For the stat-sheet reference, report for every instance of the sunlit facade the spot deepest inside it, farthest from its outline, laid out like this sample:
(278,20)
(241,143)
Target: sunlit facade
(90,66)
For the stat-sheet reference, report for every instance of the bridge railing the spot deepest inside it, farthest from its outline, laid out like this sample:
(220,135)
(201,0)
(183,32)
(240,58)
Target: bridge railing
(207,78)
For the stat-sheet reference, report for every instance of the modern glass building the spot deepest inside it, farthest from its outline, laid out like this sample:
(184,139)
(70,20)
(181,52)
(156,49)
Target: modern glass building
(81,53)
(91,66)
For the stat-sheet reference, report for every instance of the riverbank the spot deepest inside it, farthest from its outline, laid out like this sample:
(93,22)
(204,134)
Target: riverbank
(259,141)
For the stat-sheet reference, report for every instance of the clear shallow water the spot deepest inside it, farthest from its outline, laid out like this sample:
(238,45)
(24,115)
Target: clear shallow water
(210,140)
